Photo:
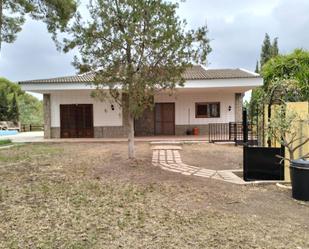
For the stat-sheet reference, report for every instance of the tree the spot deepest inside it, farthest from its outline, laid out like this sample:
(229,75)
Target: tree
(257,69)
(136,48)
(269,50)
(291,66)
(13,110)
(266,51)
(275,48)
(284,129)
(30,109)
(4,107)
(55,13)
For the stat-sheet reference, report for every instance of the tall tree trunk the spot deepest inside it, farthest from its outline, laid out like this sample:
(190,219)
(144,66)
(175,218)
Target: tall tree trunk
(131,150)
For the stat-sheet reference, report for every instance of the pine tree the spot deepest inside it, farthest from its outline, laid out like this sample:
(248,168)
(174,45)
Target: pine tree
(55,13)
(274,47)
(14,111)
(266,52)
(136,53)
(3,106)
(257,70)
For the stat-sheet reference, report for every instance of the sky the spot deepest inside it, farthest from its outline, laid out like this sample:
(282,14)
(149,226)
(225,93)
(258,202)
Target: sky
(236,29)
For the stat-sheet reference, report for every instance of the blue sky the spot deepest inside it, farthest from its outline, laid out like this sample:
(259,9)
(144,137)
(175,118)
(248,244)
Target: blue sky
(237,29)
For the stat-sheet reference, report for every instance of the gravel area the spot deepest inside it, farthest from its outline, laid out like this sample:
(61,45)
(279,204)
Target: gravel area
(213,156)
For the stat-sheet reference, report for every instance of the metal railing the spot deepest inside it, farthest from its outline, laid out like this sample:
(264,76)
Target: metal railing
(233,132)
(31,127)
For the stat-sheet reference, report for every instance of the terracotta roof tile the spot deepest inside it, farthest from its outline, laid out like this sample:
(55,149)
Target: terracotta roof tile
(194,73)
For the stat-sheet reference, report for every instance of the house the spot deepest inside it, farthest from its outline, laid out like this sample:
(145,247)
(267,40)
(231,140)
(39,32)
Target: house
(208,96)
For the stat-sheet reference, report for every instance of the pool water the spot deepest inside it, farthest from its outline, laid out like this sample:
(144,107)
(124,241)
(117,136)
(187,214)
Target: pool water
(8,133)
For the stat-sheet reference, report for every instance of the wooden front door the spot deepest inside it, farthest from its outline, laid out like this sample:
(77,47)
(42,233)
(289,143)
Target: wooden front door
(76,121)
(165,119)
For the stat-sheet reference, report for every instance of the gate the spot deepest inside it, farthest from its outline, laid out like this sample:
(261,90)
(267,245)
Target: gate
(261,163)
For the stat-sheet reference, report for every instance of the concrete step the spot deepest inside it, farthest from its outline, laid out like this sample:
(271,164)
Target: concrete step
(166,143)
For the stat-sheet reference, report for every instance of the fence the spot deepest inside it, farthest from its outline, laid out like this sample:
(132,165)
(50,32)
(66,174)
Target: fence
(30,127)
(233,132)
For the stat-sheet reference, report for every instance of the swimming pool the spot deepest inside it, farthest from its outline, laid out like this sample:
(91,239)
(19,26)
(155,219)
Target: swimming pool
(8,133)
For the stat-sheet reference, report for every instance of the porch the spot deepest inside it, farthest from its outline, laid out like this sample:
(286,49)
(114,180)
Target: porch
(38,137)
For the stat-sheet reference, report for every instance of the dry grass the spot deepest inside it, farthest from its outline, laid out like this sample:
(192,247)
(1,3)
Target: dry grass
(210,156)
(90,196)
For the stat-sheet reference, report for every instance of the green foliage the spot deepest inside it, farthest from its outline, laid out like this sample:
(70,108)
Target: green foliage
(4,106)
(18,105)
(5,142)
(269,50)
(140,45)
(257,69)
(136,48)
(30,109)
(275,48)
(282,90)
(13,110)
(291,66)
(266,50)
(256,103)
(55,13)
(283,128)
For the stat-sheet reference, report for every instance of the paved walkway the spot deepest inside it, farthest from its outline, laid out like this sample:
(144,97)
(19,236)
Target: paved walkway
(168,158)
(32,137)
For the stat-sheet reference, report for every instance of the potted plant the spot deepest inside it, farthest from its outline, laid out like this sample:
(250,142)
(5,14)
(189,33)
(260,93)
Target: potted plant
(286,127)
(189,132)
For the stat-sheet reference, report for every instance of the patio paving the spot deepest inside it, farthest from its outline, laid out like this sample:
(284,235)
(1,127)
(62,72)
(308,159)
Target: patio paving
(25,137)
(168,157)
(32,137)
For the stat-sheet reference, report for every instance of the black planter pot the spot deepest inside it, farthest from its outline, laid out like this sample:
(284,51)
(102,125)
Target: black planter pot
(299,170)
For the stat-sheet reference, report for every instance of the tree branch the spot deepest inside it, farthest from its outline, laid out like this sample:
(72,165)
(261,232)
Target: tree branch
(305,156)
(283,158)
(301,144)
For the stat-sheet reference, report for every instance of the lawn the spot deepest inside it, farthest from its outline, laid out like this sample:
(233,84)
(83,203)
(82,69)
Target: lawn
(5,142)
(91,196)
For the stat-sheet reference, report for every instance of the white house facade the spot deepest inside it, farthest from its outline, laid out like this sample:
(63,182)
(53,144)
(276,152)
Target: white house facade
(208,96)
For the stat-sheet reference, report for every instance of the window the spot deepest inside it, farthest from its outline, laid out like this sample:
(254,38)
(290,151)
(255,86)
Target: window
(207,110)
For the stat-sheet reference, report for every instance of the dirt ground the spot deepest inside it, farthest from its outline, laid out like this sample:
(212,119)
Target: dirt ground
(91,196)
(213,156)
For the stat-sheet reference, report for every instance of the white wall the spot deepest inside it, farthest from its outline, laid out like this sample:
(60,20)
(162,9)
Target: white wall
(102,112)
(185,106)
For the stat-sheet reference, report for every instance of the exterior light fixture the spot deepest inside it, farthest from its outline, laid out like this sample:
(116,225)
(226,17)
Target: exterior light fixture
(112,107)
(230,108)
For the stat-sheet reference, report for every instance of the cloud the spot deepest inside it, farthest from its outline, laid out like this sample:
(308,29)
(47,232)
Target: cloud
(237,29)
(34,55)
